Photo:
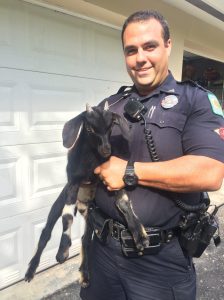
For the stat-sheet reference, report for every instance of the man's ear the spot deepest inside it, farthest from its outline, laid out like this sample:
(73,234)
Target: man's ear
(72,130)
(168,45)
(123,125)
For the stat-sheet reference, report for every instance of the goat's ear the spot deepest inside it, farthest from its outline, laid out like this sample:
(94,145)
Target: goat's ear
(72,130)
(106,105)
(123,124)
(89,109)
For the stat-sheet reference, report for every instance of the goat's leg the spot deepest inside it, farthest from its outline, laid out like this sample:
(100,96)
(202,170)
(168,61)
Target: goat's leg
(65,243)
(85,196)
(86,193)
(53,216)
(67,220)
(134,225)
(85,253)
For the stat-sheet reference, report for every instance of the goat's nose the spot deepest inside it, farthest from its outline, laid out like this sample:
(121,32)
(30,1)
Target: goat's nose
(105,150)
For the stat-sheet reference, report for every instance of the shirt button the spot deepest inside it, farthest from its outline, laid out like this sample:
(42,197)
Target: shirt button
(161,122)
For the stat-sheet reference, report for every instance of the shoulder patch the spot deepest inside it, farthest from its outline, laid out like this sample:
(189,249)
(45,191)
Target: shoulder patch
(220,132)
(216,107)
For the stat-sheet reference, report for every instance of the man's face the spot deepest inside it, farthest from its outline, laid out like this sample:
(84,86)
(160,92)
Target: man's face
(146,54)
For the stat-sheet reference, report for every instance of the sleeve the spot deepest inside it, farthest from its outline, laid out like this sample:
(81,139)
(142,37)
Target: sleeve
(204,130)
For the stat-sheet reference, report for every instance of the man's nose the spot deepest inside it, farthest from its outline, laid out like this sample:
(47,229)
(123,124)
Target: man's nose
(141,56)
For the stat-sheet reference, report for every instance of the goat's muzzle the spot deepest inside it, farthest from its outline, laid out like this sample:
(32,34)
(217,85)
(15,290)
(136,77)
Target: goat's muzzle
(104,151)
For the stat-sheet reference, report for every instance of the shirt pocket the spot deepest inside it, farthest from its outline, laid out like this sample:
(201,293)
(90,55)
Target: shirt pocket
(166,128)
(170,119)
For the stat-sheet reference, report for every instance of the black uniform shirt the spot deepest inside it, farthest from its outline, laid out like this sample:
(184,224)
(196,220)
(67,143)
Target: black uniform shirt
(184,119)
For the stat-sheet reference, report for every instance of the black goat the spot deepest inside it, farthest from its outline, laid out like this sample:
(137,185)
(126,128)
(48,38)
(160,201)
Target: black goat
(88,138)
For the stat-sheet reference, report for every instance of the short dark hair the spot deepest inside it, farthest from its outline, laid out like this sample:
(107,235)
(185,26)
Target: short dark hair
(145,15)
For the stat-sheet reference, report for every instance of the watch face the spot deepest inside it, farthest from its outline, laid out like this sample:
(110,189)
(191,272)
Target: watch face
(130,179)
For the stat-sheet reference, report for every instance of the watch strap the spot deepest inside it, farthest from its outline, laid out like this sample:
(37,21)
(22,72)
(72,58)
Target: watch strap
(130,169)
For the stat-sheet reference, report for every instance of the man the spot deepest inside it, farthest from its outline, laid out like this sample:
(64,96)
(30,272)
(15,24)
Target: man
(187,130)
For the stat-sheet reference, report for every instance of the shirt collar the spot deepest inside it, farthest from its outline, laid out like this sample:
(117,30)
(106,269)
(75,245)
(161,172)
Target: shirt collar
(169,86)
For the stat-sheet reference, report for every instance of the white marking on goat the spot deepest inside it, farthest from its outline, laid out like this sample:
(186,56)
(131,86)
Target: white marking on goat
(77,137)
(89,108)
(68,209)
(82,208)
(106,105)
(68,231)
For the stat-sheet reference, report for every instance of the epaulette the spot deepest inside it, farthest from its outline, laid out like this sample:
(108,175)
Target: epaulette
(194,84)
(124,89)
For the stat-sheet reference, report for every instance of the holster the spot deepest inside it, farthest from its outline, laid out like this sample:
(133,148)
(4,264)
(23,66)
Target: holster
(100,222)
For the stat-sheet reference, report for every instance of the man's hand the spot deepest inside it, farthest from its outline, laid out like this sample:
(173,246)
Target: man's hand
(111,173)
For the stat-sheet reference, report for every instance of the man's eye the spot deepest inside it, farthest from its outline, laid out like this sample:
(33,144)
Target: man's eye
(130,52)
(150,47)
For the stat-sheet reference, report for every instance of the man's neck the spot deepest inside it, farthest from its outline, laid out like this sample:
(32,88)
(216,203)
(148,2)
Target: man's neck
(146,90)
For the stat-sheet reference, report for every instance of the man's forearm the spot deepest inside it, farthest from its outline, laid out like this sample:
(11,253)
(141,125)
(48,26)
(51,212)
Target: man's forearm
(185,174)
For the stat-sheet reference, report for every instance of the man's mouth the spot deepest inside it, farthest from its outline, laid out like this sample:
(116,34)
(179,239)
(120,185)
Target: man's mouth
(143,71)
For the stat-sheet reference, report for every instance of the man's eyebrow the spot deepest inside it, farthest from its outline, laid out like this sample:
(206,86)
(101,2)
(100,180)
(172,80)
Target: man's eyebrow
(148,43)
(129,47)
(151,42)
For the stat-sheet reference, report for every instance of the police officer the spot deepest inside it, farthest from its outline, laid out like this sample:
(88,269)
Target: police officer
(187,127)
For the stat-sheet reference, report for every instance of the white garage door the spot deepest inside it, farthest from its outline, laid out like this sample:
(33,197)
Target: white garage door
(50,66)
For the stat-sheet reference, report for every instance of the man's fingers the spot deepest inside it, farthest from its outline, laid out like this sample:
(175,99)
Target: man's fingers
(97,170)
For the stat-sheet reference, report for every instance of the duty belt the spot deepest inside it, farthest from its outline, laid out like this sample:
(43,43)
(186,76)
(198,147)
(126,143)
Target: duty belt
(104,227)
(156,237)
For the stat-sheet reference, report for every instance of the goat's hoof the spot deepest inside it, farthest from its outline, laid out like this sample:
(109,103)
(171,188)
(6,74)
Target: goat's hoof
(140,247)
(30,273)
(29,276)
(84,284)
(84,278)
(61,258)
(146,242)
(141,242)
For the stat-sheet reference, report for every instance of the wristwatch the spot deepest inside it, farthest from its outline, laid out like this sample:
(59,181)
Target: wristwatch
(130,178)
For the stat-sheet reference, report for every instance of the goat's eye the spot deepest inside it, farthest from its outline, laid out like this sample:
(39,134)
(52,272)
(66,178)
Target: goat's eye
(90,129)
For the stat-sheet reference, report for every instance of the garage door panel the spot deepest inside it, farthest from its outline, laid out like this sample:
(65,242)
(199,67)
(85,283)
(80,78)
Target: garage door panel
(47,175)
(9,118)
(9,248)
(8,173)
(52,106)
(31,176)
(11,251)
(12,200)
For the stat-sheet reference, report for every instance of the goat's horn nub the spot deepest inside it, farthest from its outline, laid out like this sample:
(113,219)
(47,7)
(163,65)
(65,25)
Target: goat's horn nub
(106,105)
(88,108)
